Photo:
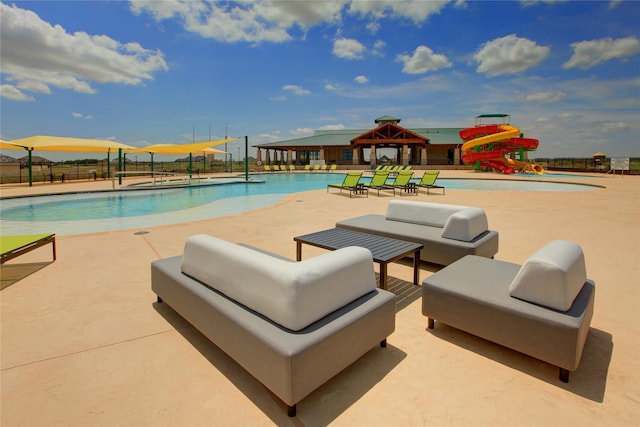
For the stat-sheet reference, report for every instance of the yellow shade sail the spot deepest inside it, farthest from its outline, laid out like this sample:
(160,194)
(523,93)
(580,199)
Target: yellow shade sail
(64,144)
(196,147)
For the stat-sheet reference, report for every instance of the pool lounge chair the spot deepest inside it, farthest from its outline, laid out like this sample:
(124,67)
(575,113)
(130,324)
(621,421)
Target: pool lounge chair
(267,168)
(292,168)
(14,246)
(402,183)
(428,181)
(352,184)
(378,182)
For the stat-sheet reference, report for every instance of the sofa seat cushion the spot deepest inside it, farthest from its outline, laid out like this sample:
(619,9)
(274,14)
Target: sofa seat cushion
(292,294)
(553,276)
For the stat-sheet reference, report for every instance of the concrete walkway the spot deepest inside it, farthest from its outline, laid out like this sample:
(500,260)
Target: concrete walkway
(84,343)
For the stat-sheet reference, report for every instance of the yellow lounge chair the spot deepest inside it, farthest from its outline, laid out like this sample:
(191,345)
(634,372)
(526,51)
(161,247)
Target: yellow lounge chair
(402,182)
(379,181)
(352,184)
(14,246)
(428,181)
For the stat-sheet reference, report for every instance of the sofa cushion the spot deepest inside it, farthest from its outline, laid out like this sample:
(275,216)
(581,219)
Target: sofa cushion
(292,294)
(465,224)
(552,276)
(423,213)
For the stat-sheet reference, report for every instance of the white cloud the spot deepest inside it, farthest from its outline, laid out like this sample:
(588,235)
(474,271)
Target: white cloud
(332,127)
(278,98)
(302,132)
(254,22)
(587,54)
(348,48)
(14,94)
(378,48)
(36,55)
(373,27)
(361,79)
(81,116)
(545,96)
(417,11)
(297,90)
(509,55)
(423,60)
(330,87)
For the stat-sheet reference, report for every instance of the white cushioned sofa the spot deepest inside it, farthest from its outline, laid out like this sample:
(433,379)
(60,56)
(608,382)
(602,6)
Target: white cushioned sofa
(447,232)
(292,325)
(542,308)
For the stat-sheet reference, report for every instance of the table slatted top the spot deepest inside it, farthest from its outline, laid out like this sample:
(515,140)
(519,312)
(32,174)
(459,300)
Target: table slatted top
(383,249)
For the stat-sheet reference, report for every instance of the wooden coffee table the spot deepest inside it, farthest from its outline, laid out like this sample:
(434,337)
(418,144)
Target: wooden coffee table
(383,249)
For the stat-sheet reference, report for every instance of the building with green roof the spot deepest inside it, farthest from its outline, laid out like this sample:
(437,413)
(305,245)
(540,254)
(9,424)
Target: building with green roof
(420,146)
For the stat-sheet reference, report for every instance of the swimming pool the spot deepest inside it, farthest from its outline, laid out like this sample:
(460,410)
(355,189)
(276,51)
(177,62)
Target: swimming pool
(116,210)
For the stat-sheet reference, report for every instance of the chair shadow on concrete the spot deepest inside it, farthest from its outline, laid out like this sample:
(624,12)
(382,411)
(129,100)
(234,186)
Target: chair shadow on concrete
(12,273)
(588,381)
(345,388)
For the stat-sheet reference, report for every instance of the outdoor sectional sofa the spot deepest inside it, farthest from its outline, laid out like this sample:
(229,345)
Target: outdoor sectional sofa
(542,308)
(292,325)
(448,232)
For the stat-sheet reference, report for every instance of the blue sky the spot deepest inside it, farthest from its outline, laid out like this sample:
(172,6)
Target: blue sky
(147,72)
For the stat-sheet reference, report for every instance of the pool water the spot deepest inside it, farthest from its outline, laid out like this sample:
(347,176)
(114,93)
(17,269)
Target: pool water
(114,210)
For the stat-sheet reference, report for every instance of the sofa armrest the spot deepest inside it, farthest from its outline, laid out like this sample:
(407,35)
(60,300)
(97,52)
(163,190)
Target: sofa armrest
(465,225)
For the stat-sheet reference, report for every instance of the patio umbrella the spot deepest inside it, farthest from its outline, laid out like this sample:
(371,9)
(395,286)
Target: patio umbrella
(65,144)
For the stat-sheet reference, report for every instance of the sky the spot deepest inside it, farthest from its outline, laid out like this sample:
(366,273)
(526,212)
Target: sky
(149,72)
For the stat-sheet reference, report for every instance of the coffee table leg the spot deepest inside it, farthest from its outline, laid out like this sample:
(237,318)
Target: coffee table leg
(298,251)
(416,267)
(383,275)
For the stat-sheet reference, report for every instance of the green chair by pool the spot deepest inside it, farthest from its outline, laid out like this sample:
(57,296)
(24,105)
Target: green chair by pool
(14,246)
(402,183)
(352,184)
(428,181)
(378,181)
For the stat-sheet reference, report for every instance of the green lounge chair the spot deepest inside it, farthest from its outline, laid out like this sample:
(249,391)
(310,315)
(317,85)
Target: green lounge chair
(333,167)
(379,181)
(428,181)
(352,184)
(14,246)
(402,183)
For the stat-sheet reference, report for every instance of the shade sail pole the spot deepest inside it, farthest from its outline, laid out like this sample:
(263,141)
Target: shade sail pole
(119,166)
(30,150)
(246,158)
(190,164)
(108,163)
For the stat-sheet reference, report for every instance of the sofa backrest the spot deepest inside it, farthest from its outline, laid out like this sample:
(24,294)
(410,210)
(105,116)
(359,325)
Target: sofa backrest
(292,294)
(458,222)
(553,276)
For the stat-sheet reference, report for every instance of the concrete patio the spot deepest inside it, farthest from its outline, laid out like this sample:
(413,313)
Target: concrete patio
(83,341)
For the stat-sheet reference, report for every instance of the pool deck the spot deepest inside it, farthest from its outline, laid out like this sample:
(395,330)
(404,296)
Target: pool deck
(83,341)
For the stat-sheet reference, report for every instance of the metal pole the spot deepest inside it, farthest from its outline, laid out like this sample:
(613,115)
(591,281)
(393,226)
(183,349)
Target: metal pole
(119,166)
(246,158)
(30,172)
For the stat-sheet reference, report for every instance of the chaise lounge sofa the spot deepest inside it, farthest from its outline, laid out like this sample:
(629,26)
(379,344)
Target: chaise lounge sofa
(448,232)
(292,325)
(542,308)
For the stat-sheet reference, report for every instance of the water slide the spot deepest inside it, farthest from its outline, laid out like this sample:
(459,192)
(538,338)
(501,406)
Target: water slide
(490,144)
